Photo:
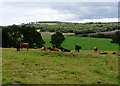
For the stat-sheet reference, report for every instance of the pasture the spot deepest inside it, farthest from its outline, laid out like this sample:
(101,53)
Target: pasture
(86,43)
(47,67)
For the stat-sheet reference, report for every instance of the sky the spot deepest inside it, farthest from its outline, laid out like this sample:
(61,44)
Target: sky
(17,12)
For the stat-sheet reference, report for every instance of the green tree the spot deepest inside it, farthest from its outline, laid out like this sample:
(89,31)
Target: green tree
(57,39)
(12,35)
(116,38)
(31,36)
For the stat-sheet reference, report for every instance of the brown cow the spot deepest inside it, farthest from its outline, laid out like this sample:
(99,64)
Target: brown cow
(53,49)
(95,49)
(24,45)
(44,48)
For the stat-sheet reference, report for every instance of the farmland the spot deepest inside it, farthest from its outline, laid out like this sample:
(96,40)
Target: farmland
(47,67)
(86,43)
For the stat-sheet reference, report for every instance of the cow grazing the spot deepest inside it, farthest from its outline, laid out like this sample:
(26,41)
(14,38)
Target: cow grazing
(96,49)
(53,49)
(64,50)
(77,48)
(24,45)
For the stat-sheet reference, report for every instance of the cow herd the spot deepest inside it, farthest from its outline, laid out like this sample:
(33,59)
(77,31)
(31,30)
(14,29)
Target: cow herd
(77,48)
(26,45)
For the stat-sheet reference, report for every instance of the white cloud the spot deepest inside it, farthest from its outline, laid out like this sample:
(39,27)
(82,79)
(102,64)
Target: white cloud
(59,0)
(16,13)
(45,14)
(96,20)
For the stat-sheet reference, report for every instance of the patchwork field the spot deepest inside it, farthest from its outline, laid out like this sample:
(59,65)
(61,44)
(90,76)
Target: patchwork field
(47,67)
(86,43)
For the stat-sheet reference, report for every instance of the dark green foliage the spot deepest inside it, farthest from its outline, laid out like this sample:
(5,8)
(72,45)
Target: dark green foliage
(97,35)
(84,35)
(12,35)
(84,32)
(101,36)
(57,39)
(116,38)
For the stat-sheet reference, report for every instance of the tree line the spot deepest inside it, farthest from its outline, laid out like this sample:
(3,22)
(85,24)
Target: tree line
(12,35)
(77,28)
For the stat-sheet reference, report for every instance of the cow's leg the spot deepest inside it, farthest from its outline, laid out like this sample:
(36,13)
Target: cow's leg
(22,48)
(17,49)
(27,48)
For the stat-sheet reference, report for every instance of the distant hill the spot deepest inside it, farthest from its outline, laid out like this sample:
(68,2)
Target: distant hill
(77,28)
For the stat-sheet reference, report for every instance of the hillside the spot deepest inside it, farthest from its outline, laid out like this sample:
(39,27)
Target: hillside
(78,28)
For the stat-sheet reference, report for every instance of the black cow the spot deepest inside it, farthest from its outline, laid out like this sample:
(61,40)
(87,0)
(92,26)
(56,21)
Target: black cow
(114,53)
(18,47)
(64,50)
(104,53)
(77,48)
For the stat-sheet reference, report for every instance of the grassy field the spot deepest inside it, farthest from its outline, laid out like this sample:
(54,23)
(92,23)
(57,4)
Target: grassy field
(86,43)
(0,66)
(47,67)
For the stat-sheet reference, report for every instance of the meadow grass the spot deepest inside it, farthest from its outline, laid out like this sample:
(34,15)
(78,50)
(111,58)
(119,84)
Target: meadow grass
(48,67)
(86,43)
(0,66)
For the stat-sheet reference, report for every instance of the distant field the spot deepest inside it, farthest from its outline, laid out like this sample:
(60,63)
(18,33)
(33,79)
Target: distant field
(46,23)
(86,43)
(49,23)
(46,67)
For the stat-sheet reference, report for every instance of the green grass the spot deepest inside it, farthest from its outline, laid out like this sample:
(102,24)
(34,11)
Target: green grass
(46,67)
(86,43)
(0,66)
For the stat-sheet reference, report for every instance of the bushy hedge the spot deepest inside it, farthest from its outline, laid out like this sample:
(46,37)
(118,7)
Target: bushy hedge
(102,35)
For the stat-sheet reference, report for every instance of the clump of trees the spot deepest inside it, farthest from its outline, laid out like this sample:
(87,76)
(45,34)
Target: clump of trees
(57,39)
(11,35)
(116,39)
(101,35)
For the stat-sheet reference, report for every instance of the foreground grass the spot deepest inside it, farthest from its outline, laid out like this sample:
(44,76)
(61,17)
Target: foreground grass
(0,66)
(44,67)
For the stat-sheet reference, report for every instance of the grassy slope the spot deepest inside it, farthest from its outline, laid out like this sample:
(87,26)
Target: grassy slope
(43,67)
(0,66)
(86,43)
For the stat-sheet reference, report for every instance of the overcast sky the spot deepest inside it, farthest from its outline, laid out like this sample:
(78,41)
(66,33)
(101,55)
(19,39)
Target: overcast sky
(23,12)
